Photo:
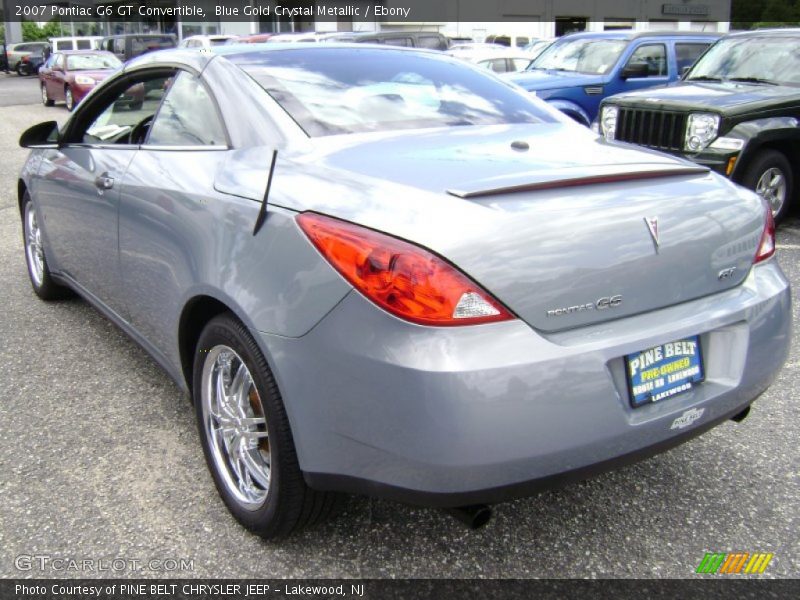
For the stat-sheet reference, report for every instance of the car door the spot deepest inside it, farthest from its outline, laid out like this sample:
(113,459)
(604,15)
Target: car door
(55,79)
(169,182)
(78,190)
(46,73)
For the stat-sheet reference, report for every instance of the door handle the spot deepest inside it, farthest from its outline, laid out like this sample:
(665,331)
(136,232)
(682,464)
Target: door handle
(104,182)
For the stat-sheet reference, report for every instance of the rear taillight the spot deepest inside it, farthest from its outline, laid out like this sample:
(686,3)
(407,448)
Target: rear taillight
(406,280)
(766,246)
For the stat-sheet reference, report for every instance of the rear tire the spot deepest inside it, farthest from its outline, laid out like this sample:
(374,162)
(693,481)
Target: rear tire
(246,437)
(770,176)
(41,280)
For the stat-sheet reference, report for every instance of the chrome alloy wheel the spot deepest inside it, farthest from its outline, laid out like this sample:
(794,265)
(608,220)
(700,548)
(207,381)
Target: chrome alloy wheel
(771,186)
(33,245)
(45,99)
(235,426)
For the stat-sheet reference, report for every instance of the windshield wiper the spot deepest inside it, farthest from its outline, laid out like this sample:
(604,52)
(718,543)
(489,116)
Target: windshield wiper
(752,80)
(704,78)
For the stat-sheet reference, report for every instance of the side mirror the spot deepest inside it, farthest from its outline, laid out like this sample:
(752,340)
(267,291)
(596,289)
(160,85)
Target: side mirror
(635,70)
(43,135)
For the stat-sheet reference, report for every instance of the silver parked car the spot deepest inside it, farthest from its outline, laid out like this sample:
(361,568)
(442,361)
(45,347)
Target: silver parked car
(385,271)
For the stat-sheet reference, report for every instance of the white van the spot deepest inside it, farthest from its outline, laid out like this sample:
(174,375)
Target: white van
(88,42)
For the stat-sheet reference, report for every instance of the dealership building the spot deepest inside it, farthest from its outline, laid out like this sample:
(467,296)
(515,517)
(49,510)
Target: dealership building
(515,20)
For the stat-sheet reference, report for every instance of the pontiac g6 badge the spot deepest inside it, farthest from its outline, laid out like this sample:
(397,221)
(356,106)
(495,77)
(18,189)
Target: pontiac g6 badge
(601,304)
(652,227)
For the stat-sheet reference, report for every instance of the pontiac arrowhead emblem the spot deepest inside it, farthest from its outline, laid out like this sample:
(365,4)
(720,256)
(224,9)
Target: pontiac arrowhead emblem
(652,226)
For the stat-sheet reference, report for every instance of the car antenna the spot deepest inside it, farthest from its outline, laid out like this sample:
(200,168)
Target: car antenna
(262,213)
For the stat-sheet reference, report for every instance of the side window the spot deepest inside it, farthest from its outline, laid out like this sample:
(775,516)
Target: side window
(520,64)
(187,116)
(119,46)
(498,65)
(429,41)
(652,55)
(126,115)
(398,41)
(686,54)
(84,45)
(58,63)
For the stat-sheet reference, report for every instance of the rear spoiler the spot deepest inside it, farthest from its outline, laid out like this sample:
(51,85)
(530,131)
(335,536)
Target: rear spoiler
(562,178)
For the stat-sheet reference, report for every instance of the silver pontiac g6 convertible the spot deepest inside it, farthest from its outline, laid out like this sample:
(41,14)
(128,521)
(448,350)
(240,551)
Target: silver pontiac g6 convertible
(387,272)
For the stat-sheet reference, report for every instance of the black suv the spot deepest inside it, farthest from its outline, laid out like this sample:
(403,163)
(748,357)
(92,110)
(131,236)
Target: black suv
(736,111)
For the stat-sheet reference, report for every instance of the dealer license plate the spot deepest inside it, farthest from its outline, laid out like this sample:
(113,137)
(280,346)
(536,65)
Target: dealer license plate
(664,371)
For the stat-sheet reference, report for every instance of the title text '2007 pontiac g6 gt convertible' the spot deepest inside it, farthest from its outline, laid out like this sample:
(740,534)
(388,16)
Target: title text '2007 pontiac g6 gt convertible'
(388,272)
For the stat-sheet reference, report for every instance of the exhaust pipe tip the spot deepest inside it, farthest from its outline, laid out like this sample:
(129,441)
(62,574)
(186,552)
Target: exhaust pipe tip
(474,517)
(739,417)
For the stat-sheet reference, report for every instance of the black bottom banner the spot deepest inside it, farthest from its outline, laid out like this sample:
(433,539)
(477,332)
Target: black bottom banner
(184,589)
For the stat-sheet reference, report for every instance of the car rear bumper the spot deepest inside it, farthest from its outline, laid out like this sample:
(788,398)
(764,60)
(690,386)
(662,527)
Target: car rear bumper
(454,416)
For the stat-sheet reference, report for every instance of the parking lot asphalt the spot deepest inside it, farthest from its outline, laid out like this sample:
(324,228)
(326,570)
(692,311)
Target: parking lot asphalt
(16,90)
(100,459)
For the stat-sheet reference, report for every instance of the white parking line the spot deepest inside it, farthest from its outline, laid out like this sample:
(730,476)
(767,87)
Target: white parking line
(787,246)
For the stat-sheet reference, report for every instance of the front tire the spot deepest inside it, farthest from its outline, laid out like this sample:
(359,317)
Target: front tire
(41,280)
(45,98)
(69,100)
(245,434)
(770,176)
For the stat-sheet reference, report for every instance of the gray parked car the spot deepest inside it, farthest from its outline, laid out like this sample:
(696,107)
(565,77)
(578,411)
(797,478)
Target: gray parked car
(384,271)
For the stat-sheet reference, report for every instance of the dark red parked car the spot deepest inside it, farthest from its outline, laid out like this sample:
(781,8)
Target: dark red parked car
(70,75)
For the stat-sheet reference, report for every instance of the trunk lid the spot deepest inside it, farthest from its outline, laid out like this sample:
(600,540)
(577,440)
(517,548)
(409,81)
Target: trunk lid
(559,232)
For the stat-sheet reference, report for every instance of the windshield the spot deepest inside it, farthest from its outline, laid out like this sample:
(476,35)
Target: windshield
(581,56)
(756,59)
(331,90)
(84,62)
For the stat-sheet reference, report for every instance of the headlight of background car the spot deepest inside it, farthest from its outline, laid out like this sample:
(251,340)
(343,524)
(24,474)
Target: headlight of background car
(701,130)
(608,121)
(84,80)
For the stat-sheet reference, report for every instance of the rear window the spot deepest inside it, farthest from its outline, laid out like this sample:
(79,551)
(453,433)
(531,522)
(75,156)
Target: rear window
(331,91)
(140,45)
